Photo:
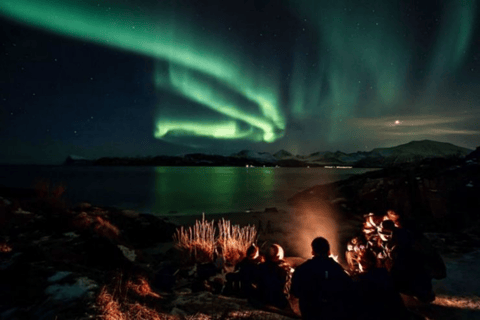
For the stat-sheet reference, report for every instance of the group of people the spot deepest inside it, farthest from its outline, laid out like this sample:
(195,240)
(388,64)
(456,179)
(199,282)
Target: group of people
(392,245)
(262,279)
(378,262)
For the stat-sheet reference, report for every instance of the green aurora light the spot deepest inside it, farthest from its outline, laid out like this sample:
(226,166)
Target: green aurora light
(368,58)
(361,65)
(177,41)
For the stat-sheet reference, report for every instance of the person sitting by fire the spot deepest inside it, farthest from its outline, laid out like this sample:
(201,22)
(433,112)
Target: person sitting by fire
(354,247)
(410,259)
(274,277)
(370,230)
(387,244)
(376,295)
(243,280)
(323,288)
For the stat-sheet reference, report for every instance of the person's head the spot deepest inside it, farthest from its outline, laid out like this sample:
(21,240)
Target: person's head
(252,252)
(395,217)
(372,220)
(386,229)
(320,247)
(275,253)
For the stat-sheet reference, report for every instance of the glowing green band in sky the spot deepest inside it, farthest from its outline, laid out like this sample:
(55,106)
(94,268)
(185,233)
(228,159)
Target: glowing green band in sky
(223,130)
(161,34)
(363,60)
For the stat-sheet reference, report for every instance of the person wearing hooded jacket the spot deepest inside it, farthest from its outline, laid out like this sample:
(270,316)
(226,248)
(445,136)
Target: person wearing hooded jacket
(274,278)
(323,288)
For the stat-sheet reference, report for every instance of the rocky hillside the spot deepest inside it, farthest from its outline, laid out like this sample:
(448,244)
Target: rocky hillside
(440,193)
(412,152)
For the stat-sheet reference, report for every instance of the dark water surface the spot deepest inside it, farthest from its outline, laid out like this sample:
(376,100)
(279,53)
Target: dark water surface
(188,190)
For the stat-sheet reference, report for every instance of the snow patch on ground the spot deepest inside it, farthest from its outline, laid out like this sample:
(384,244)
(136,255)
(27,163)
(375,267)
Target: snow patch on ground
(128,253)
(59,276)
(463,277)
(68,292)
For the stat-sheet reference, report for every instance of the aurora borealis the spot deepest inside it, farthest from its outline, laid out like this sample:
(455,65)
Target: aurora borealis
(222,76)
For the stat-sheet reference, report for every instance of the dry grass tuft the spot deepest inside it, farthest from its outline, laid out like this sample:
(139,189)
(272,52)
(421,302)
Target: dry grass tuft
(139,311)
(234,240)
(105,229)
(114,303)
(108,307)
(141,287)
(198,241)
(202,240)
(101,226)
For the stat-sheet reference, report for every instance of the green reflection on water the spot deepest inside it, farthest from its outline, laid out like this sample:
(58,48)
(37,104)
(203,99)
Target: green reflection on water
(211,189)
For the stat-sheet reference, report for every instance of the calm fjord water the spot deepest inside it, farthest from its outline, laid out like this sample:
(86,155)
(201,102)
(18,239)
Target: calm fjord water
(179,190)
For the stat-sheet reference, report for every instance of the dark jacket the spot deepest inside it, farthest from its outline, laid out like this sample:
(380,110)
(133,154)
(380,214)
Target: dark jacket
(273,279)
(378,297)
(248,273)
(323,288)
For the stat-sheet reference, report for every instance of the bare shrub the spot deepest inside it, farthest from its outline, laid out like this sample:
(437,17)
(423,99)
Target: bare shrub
(42,189)
(58,190)
(198,241)
(45,190)
(235,240)
(201,241)
(50,196)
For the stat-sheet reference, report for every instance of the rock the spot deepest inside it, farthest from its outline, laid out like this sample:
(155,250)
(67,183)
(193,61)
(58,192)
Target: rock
(104,254)
(130,213)
(5,202)
(178,312)
(82,206)
(71,235)
(144,231)
(20,211)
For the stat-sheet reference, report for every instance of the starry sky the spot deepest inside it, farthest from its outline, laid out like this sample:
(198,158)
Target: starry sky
(99,78)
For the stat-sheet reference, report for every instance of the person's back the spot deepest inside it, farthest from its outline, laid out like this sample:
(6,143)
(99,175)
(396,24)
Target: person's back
(273,278)
(376,292)
(248,274)
(245,277)
(322,286)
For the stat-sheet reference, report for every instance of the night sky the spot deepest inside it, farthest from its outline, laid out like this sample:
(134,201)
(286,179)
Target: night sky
(98,78)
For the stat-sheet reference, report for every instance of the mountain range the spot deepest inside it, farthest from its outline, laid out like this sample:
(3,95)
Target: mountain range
(411,152)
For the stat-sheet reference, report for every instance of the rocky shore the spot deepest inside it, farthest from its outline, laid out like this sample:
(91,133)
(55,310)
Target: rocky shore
(83,262)
(441,195)
(89,262)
